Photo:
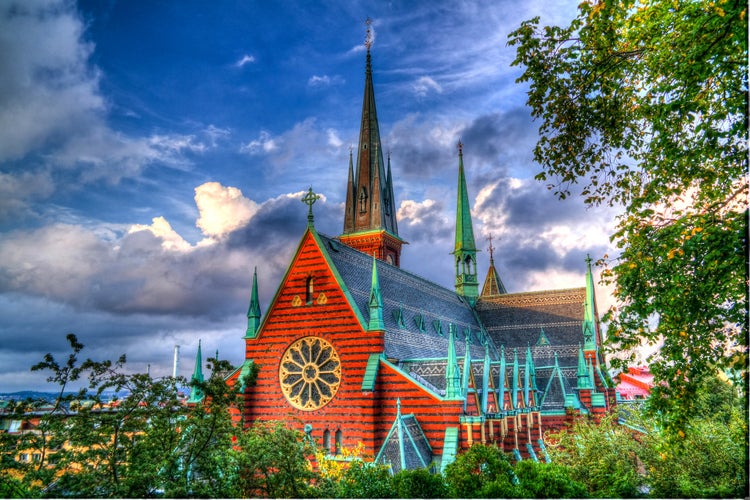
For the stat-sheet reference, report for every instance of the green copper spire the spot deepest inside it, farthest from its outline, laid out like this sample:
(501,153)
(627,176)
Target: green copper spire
(253,311)
(452,376)
(486,369)
(376,301)
(514,382)
(501,380)
(465,251)
(196,393)
(583,372)
(467,370)
(589,311)
(527,378)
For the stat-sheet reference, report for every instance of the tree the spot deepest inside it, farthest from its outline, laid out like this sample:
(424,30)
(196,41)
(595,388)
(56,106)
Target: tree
(645,104)
(482,471)
(541,480)
(603,456)
(273,462)
(419,483)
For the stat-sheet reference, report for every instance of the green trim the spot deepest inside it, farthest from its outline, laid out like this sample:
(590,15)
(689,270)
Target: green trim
(244,371)
(450,447)
(371,373)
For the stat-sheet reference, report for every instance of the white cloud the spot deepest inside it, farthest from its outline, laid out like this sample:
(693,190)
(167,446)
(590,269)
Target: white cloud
(263,144)
(333,139)
(222,209)
(316,81)
(160,228)
(244,60)
(424,85)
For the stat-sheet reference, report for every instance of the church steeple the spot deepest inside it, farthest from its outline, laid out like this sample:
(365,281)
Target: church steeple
(465,251)
(590,337)
(370,213)
(253,311)
(493,285)
(196,393)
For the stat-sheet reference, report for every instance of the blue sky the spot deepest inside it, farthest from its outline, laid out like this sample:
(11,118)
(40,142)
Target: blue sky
(154,152)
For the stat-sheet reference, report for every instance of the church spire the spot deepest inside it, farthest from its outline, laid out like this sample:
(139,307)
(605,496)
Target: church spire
(196,393)
(589,311)
(253,311)
(370,214)
(465,251)
(493,285)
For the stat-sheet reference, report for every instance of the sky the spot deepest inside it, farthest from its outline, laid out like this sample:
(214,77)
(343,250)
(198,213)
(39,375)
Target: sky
(154,153)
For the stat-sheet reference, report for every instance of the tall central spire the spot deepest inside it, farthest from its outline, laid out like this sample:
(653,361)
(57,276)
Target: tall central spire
(370,214)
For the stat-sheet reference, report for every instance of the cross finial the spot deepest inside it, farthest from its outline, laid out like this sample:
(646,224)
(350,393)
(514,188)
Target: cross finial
(460,148)
(309,199)
(588,259)
(491,249)
(368,37)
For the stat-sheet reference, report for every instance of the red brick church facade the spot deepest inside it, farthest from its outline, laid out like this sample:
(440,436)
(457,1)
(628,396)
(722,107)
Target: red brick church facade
(353,349)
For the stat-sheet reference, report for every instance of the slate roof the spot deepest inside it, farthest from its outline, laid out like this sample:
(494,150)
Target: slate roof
(517,320)
(408,297)
(406,446)
(417,314)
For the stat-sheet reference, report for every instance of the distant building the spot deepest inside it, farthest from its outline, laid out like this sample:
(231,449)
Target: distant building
(635,384)
(357,350)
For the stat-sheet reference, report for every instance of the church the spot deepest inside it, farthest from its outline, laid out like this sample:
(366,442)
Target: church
(353,349)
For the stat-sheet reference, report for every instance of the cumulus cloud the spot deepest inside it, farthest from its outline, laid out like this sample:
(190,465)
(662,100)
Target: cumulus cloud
(222,209)
(170,239)
(151,269)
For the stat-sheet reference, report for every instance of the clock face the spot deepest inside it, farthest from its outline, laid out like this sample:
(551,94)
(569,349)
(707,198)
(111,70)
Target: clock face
(310,373)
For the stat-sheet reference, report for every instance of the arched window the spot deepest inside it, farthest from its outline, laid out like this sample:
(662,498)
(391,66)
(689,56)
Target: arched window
(309,289)
(339,440)
(327,440)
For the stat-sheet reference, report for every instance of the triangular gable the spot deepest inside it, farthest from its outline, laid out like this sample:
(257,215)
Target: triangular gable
(311,237)
(405,446)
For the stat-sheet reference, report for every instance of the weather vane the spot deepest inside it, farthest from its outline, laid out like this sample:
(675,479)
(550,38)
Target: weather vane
(491,249)
(368,37)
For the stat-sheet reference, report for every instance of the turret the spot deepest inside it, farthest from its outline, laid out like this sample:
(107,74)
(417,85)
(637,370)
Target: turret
(376,301)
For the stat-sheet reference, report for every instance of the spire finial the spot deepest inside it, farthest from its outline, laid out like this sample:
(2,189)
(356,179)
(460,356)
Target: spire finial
(309,199)
(460,148)
(491,249)
(588,259)
(369,38)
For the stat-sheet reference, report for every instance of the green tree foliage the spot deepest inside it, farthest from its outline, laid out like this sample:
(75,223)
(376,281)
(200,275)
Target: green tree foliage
(273,462)
(604,457)
(419,483)
(481,472)
(366,480)
(542,480)
(644,103)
